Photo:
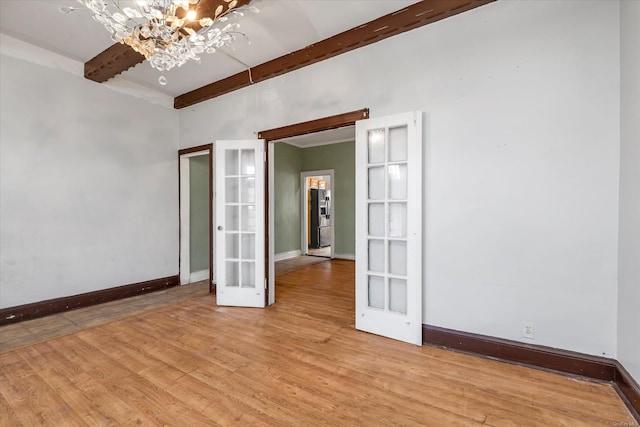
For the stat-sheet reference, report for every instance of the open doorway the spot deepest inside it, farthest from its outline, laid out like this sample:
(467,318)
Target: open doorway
(297,174)
(342,122)
(317,233)
(196,214)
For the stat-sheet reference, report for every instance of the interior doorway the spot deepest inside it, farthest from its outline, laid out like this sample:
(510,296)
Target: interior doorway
(196,215)
(271,136)
(317,230)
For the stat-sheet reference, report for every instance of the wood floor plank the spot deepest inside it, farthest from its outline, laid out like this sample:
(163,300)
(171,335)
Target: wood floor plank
(298,362)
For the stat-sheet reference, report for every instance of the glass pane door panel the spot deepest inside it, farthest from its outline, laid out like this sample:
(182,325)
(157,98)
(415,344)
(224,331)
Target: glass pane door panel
(248,218)
(232,218)
(248,162)
(248,193)
(376,219)
(248,274)
(398,295)
(233,246)
(398,144)
(397,220)
(240,227)
(376,183)
(231,190)
(397,182)
(233,273)
(248,246)
(231,162)
(376,256)
(376,146)
(398,257)
(376,292)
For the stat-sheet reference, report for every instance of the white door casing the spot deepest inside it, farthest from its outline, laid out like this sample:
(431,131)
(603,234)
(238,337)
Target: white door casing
(240,229)
(389,226)
(304,208)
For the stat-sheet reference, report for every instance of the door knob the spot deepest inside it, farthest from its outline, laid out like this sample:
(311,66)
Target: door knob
(219,227)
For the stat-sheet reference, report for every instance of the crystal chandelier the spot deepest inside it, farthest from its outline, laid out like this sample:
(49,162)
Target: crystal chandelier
(167,32)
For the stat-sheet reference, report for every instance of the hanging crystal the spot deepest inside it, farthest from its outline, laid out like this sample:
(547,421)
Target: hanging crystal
(167,32)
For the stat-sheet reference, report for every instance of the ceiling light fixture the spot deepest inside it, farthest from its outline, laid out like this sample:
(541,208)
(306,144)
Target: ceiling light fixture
(168,32)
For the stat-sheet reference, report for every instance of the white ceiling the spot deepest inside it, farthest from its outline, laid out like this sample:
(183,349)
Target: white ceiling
(281,27)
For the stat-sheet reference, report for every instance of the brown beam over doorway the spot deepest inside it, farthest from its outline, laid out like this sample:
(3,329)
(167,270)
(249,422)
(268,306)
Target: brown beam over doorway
(326,123)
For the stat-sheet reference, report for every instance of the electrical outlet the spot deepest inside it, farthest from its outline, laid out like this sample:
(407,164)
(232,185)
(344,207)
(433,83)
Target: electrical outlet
(528,330)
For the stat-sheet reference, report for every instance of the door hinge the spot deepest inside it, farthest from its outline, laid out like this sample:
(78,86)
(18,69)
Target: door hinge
(264,156)
(265,283)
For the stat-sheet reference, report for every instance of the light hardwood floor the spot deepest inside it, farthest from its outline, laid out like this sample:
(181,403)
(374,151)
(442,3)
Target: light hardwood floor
(37,330)
(299,362)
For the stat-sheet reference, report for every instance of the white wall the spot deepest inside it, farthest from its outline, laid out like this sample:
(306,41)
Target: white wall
(629,246)
(521,145)
(88,186)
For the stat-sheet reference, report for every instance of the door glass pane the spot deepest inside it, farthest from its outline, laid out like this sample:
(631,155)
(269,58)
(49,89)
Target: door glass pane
(376,255)
(232,243)
(398,295)
(397,182)
(248,218)
(231,162)
(398,257)
(233,271)
(248,274)
(248,246)
(231,190)
(376,183)
(376,292)
(376,219)
(248,193)
(397,220)
(398,144)
(376,146)
(248,162)
(232,218)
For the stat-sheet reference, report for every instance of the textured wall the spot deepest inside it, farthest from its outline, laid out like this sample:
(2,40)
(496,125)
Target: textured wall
(88,186)
(629,246)
(287,167)
(199,213)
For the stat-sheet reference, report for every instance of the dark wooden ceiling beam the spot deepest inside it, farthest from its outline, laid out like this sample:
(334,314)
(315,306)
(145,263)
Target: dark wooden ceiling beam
(111,62)
(414,16)
(120,57)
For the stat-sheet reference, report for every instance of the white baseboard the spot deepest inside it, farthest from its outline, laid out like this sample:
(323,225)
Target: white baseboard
(198,276)
(286,255)
(351,257)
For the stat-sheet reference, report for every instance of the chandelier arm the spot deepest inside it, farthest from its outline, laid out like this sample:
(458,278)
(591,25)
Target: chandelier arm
(153,29)
(238,61)
(234,58)
(116,4)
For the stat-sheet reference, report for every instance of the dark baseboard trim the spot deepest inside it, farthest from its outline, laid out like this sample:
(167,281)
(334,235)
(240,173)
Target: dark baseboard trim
(537,356)
(628,389)
(58,305)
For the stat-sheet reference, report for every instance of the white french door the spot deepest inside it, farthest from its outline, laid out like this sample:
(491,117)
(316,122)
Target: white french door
(389,236)
(240,230)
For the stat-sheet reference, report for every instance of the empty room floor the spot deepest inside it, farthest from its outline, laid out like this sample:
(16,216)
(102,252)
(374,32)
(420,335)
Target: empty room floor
(297,362)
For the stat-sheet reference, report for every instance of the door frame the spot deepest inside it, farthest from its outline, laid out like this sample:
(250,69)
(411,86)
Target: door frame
(304,201)
(184,210)
(271,136)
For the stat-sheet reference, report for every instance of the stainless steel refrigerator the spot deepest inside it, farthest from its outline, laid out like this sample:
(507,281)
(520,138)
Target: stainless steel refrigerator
(320,219)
